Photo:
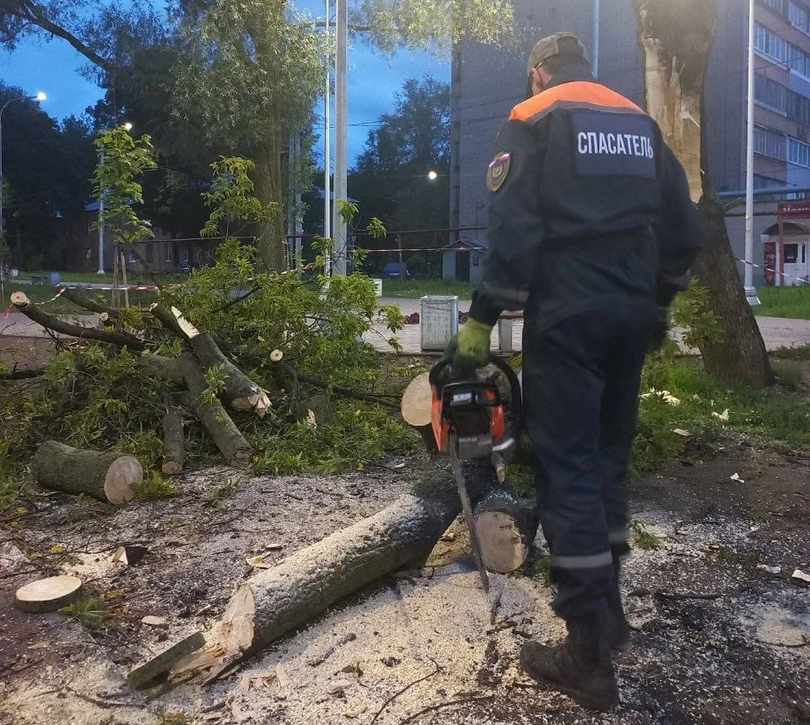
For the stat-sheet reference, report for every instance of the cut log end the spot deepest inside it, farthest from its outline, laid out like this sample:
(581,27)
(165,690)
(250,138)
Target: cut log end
(503,545)
(48,595)
(121,478)
(416,402)
(20,300)
(171,468)
(276,356)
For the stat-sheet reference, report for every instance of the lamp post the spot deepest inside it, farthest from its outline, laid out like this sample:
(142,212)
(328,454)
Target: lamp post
(38,97)
(100,270)
(748,272)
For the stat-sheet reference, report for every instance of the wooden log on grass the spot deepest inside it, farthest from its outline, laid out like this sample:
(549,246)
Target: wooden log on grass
(223,431)
(108,476)
(276,601)
(21,302)
(174,442)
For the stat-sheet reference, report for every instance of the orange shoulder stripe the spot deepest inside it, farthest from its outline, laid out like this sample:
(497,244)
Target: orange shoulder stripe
(584,92)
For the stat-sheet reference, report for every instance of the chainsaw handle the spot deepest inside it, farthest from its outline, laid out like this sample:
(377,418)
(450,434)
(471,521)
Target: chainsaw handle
(514,387)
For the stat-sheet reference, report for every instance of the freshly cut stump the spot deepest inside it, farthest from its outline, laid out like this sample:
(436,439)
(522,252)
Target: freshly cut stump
(48,595)
(108,476)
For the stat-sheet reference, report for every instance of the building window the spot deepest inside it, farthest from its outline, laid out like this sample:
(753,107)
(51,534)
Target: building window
(775,5)
(150,253)
(168,257)
(769,43)
(769,143)
(771,94)
(799,16)
(791,253)
(798,152)
(798,108)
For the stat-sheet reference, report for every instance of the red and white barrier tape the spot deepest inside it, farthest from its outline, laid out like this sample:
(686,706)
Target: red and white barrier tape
(768,269)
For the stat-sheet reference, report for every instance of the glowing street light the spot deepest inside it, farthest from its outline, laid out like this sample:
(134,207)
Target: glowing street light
(432,175)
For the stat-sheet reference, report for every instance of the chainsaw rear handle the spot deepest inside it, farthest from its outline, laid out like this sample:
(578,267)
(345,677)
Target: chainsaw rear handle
(516,396)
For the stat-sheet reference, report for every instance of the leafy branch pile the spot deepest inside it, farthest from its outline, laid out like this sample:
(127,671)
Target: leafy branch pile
(293,339)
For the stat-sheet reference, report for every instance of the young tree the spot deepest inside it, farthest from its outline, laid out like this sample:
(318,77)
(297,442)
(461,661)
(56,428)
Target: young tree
(676,38)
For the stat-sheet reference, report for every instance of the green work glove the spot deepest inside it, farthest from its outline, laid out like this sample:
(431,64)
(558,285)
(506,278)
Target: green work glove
(661,329)
(469,349)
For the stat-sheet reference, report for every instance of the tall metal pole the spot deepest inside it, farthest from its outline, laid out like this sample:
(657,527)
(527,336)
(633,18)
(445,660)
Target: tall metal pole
(341,132)
(595,59)
(750,290)
(327,190)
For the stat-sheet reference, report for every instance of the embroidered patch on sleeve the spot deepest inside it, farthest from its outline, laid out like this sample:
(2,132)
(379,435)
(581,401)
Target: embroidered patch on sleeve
(497,171)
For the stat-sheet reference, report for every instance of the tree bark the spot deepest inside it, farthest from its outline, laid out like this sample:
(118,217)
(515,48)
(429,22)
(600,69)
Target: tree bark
(108,476)
(30,310)
(676,39)
(240,392)
(275,601)
(162,367)
(174,448)
(269,189)
(223,431)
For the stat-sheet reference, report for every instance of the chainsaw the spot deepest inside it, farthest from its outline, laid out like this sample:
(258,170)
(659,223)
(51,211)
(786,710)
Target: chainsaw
(468,421)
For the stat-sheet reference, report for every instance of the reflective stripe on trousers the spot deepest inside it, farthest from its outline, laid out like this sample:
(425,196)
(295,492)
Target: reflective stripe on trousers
(580,392)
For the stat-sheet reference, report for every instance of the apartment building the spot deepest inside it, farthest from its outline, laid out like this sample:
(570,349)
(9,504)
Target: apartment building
(487,82)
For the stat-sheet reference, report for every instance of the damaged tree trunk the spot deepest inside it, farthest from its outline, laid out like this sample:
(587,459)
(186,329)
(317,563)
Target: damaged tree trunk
(223,431)
(29,309)
(276,601)
(108,476)
(676,39)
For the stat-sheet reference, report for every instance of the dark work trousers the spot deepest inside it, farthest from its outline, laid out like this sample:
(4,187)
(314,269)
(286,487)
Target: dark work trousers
(580,392)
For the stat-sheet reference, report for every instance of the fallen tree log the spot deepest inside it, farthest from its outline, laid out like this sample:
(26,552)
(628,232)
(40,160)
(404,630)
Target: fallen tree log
(108,476)
(174,444)
(415,407)
(21,302)
(277,600)
(239,391)
(506,527)
(160,366)
(223,431)
(21,374)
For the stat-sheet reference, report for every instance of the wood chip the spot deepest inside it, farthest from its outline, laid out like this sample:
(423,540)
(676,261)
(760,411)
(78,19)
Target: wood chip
(355,710)
(800,578)
(155,621)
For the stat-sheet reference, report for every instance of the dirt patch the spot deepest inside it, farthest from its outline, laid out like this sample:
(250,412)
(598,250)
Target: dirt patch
(718,640)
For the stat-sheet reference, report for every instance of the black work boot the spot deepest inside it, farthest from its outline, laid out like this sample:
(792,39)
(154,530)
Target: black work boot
(581,667)
(618,630)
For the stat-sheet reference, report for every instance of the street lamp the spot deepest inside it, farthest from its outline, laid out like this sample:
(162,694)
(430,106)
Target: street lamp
(432,175)
(38,97)
(748,272)
(127,126)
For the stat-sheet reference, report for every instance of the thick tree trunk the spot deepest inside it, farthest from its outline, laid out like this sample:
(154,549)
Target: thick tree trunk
(269,189)
(676,38)
(223,431)
(160,366)
(740,356)
(276,601)
(108,476)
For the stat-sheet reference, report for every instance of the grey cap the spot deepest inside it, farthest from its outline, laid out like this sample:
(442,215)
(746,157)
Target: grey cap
(557,44)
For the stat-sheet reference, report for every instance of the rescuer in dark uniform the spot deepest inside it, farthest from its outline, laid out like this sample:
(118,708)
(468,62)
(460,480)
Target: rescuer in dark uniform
(591,232)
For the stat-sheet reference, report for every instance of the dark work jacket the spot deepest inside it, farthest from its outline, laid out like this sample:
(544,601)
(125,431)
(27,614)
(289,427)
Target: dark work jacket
(593,209)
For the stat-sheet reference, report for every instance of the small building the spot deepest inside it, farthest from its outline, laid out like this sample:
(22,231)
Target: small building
(464,260)
(786,246)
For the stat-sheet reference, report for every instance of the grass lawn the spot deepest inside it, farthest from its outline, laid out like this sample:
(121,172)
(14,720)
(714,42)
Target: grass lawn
(415,288)
(784,302)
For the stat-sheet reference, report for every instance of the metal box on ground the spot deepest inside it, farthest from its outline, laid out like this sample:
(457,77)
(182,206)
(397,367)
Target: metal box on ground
(438,321)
